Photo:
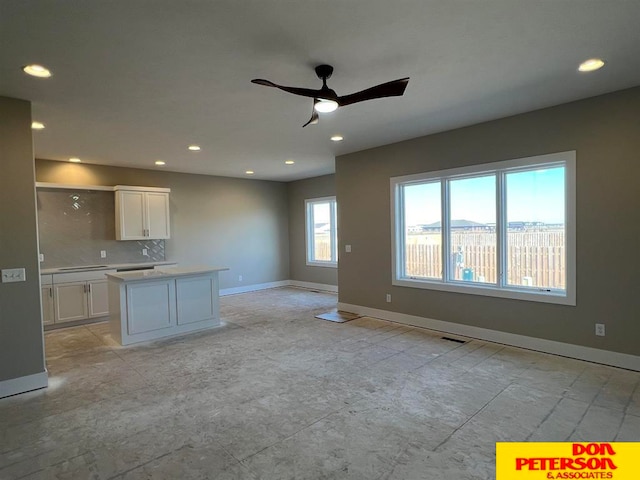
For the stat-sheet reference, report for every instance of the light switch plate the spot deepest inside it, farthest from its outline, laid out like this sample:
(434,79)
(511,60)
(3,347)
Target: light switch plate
(347,248)
(13,275)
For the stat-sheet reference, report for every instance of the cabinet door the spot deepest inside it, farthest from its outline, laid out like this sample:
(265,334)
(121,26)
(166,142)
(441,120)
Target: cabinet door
(130,215)
(157,215)
(47,305)
(70,301)
(150,306)
(98,298)
(196,299)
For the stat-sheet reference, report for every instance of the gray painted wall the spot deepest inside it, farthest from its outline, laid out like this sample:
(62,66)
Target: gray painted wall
(236,223)
(604,131)
(298,192)
(21,350)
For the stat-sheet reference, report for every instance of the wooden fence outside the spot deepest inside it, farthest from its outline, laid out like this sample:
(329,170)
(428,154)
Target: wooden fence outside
(533,258)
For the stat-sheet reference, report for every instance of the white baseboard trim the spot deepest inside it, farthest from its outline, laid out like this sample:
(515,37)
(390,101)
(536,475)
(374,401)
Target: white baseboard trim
(314,286)
(615,359)
(253,288)
(24,384)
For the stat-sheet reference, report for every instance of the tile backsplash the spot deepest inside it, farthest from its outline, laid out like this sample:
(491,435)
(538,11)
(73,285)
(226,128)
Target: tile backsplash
(74,225)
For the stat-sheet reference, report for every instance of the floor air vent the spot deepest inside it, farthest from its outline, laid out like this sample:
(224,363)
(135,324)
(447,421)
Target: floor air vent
(457,340)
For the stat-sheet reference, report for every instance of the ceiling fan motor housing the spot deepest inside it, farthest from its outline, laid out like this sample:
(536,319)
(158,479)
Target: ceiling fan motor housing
(324,71)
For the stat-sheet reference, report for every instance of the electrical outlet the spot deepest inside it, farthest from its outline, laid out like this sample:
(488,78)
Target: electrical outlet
(103,254)
(239,278)
(347,248)
(388,298)
(145,252)
(13,275)
(600,329)
(41,257)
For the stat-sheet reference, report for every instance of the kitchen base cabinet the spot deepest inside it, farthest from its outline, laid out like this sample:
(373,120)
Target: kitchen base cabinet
(47,305)
(160,303)
(46,291)
(73,297)
(70,302)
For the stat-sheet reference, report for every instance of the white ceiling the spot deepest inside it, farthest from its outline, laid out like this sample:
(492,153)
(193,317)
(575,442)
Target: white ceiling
(137,81)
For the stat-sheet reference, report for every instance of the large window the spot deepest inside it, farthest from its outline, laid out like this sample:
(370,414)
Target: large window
(322,238)
(504,229)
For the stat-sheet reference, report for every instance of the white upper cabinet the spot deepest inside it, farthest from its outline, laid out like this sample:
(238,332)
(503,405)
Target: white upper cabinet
(142,213)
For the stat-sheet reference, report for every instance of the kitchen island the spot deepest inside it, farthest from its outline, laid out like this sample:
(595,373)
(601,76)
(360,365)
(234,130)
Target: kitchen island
(151,304)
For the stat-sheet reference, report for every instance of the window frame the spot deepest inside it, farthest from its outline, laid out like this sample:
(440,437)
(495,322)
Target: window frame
(501,289)
(310,231)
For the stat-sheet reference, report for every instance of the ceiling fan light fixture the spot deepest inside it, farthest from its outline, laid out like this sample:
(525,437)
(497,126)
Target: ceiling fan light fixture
(36,70)
(591,65)
(325,106)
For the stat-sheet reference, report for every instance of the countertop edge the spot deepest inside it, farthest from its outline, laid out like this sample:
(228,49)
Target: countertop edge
(149,275)
(56,270)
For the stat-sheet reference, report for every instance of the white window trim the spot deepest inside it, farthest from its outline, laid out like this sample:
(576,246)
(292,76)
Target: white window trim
(309,232)
(566,297)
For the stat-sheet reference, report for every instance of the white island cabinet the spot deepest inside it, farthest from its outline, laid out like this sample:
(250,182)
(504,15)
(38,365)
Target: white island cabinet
(151,304)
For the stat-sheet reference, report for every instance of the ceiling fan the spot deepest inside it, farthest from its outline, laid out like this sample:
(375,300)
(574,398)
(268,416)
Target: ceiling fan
(327,100)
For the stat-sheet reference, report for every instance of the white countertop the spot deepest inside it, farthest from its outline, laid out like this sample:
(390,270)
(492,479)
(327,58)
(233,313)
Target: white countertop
(162,273)
(91,268)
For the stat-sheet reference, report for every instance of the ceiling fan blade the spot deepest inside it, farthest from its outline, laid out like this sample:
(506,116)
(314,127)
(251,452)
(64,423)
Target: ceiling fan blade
(304,92)
(313,120)
(314,115)
(395,88)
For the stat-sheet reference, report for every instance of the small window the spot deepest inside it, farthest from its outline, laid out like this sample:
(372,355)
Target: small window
(505,229)
(322,237)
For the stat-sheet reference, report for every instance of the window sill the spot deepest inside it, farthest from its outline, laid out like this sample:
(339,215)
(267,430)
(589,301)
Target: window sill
(559,298)
(322,264)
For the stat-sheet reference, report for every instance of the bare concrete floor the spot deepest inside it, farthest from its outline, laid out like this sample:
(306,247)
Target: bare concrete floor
(278,394)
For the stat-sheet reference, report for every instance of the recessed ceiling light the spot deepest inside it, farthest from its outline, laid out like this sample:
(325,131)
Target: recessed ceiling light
(37,125)
(36,71)
(194,148)
(249,172)
(289,162)
(591,65)
(325,106)
(160,162)
(337,138)
(75,160)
